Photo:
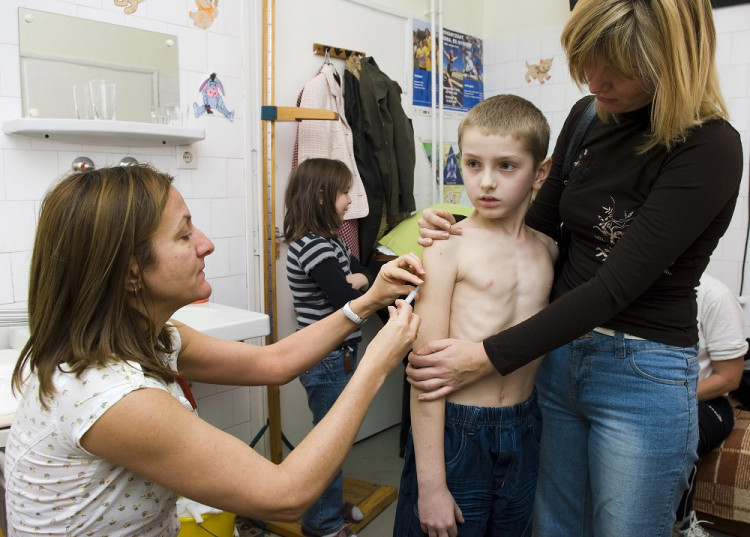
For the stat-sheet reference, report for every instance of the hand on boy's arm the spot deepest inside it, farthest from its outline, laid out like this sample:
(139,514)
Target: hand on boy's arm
(436,224)
(438,512)
(446,365)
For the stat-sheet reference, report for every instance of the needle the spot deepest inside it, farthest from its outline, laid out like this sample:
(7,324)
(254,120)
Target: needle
(410,297)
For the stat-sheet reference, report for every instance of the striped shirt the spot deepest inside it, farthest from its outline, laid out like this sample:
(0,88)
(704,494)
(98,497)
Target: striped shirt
(310,301)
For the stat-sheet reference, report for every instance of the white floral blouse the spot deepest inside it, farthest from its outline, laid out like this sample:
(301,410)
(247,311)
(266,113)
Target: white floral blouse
(55,487)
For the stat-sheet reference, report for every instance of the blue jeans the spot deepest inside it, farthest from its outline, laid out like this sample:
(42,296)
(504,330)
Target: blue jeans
(620,432)
(491,463)
(323,384)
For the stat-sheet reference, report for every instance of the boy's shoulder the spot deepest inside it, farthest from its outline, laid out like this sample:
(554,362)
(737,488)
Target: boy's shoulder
(545,240)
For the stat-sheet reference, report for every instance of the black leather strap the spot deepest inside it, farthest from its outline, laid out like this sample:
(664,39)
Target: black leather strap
(584,126)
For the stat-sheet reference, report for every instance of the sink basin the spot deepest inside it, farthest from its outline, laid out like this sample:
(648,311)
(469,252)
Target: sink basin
(224,322)
(8,403)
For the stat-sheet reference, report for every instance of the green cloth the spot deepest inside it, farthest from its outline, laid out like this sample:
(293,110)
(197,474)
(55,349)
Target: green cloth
(402,239)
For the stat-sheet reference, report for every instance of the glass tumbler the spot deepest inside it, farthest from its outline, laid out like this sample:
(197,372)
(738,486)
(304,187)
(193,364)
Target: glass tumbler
(103,97)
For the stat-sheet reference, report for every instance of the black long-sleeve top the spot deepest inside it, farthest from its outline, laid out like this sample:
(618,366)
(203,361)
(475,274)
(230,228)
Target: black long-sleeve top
(642,231)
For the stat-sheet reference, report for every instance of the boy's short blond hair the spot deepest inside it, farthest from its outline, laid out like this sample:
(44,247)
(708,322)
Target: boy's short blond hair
(510,115)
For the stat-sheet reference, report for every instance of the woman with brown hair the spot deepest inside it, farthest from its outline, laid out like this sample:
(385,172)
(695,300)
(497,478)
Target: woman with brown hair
(104,439)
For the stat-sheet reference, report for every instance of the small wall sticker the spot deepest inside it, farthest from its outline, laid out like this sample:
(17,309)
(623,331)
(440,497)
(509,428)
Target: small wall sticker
(129,5)
(539,71)
(212,90)
(207,11)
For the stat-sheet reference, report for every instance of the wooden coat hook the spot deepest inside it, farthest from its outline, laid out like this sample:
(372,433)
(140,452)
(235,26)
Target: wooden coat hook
(335,52)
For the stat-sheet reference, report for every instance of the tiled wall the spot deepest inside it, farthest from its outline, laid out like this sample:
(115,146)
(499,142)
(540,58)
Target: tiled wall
(505,69)
(216,191)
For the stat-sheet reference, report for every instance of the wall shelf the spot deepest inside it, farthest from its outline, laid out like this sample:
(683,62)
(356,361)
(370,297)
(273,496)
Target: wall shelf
(101,132)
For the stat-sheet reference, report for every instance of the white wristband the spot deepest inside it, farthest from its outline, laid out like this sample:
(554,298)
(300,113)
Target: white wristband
(353,317)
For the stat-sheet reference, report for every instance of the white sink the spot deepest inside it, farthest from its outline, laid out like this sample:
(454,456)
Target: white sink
(8,403)
(224,322)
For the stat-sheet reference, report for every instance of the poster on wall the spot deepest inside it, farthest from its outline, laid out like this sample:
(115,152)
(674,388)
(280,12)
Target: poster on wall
(463,78)
(453,183)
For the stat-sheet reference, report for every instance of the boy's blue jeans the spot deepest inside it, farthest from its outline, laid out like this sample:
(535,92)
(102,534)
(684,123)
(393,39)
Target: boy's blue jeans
(492,457)
(323,384)
(620,436)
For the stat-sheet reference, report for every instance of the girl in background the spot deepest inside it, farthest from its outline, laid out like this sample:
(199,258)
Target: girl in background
(323,277)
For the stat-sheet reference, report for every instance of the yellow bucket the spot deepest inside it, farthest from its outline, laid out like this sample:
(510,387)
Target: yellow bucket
(220,525)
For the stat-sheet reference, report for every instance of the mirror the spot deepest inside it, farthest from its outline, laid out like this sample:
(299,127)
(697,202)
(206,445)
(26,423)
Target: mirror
(58,52)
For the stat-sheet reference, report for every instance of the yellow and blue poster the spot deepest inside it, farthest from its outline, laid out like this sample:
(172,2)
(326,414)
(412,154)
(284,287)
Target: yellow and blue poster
(462,59)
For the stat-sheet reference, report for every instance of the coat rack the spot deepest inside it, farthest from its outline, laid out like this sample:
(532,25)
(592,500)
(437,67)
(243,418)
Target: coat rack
(335,52)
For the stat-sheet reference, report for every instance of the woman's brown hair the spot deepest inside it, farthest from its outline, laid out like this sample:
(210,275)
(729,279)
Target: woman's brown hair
(310,200)
(91,225)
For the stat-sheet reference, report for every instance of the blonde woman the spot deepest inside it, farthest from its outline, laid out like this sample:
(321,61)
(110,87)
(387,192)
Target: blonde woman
(104,439)
(651,191)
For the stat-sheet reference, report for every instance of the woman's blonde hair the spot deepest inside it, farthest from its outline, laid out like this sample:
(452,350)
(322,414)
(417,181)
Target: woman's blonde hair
(669,44)
(91,226)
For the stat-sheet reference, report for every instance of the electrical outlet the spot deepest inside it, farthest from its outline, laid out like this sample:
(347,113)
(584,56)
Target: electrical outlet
(187,158)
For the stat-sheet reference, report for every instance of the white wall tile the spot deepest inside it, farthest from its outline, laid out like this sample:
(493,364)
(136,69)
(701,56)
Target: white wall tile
(20,265)
(103,15)
(741,47)
(210,179)
(224,138)
(224,55)
(228,217)
(237,255)
(217,264)
(18,224)
(732,19)
(231,291)
(192,50)
(9,71)
(506,49)
(167,12)
(28,174)
(739,112)
(236,177)
(9,21)
(53,6)
(200,210)
(217,409)
(6,279)
(733,79)
(240,405)
(530,46)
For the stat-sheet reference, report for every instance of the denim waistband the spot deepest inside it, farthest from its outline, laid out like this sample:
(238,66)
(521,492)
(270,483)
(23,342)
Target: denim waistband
(480,415)
(611,333)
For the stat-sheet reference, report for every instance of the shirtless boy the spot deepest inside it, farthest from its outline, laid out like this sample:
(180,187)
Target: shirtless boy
(470,465)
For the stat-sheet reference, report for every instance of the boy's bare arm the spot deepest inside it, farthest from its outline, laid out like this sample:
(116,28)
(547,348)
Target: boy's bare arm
(437,509)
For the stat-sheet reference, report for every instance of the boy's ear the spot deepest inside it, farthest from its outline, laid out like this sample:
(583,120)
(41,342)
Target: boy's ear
(542,171)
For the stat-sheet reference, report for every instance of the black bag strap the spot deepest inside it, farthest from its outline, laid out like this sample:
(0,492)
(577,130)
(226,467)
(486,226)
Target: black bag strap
(583,127)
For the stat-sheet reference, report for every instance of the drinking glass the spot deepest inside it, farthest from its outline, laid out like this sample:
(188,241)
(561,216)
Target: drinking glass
(103,97)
